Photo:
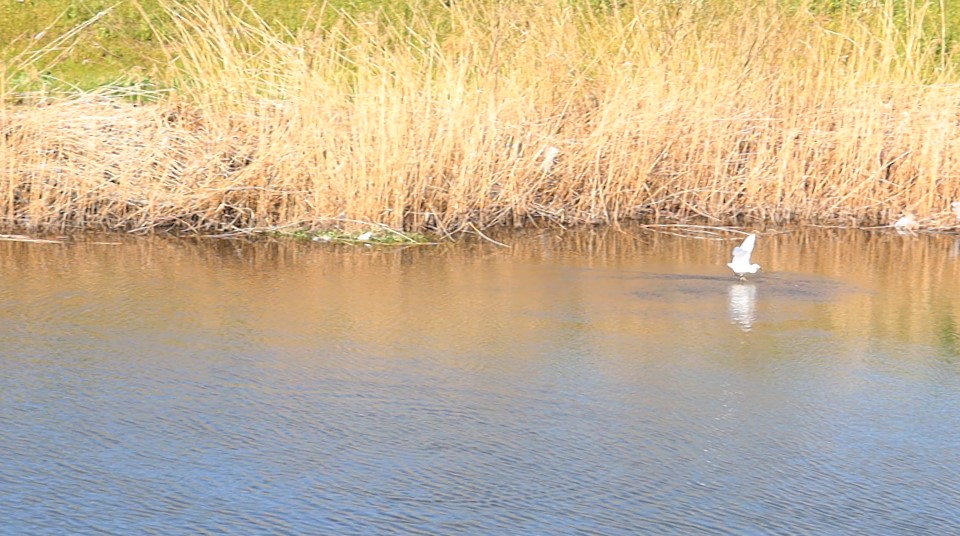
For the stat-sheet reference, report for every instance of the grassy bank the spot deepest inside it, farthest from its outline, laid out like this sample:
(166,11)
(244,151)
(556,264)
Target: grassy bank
(486,113)
(86,44)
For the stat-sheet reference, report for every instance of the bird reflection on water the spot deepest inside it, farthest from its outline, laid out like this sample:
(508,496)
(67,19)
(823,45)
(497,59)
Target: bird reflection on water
(742,305)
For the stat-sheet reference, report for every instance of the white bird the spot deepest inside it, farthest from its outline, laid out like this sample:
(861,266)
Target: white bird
(906,224)
(741,258)
(549,159)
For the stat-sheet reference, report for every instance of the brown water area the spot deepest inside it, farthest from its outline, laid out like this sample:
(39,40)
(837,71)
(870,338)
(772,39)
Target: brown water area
(599,380)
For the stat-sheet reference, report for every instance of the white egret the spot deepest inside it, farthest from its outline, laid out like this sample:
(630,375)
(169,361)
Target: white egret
(741,258)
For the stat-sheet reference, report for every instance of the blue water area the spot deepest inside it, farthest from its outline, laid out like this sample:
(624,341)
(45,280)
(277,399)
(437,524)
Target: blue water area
(157,387)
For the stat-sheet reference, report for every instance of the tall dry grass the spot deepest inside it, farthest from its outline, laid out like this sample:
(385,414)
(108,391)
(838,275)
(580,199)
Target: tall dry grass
(488,113)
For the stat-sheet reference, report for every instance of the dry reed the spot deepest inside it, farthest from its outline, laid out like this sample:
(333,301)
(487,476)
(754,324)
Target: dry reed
(492,113)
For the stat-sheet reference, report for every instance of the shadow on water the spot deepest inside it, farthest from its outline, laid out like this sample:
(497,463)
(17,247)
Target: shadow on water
(597,381)
(780,289)
(777,286)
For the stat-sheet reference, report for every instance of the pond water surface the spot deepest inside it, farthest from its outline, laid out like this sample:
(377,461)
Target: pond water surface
(591,382)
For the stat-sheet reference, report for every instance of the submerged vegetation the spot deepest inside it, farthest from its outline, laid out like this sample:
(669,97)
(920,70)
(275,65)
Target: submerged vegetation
(425,117)
(381,236)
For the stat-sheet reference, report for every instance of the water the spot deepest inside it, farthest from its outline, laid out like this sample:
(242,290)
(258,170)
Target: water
(594,382)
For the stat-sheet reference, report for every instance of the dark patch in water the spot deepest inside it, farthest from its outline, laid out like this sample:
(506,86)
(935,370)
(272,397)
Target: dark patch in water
(803,287)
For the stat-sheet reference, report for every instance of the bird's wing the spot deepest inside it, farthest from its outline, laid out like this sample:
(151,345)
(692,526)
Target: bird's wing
(742,252)
(740,255)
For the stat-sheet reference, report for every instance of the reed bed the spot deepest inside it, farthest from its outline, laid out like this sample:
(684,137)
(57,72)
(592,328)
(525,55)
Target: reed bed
(489,113)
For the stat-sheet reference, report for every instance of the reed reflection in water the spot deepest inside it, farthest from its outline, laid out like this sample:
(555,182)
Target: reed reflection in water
(589,382)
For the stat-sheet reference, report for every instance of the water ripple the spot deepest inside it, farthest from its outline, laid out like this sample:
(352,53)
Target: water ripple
(178,391)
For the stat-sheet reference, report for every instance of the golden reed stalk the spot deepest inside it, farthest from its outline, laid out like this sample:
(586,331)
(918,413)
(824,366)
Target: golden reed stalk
(489,113)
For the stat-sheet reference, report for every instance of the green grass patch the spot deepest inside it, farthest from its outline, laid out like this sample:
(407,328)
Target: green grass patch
(82,45)
(57,45)
(379,236)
